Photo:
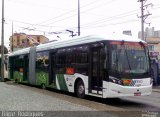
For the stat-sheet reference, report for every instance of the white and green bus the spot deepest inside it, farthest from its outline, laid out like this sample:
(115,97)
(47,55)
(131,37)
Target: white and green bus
(101,66)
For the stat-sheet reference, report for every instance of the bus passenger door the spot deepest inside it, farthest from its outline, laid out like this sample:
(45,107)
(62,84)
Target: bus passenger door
(52,68)
(95,77)
(25,67)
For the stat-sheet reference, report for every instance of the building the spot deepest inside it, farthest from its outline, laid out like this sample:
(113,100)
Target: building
(149,32)
(157,33)
(152,37)
(154,52)
(22,40)
(154,46)
(127,32)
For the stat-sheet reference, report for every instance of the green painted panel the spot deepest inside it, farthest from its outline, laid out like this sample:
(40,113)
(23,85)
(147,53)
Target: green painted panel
(41,78)
(62,82)
(24,82)
(18,75)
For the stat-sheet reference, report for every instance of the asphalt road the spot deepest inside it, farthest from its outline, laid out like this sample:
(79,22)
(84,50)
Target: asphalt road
(18,97)
(151,102)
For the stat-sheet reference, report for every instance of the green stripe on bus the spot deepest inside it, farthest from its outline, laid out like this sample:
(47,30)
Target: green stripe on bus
(62,82)
(41,78)
(18,76)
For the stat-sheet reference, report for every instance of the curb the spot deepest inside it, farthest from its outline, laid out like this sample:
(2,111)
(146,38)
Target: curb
(156,90)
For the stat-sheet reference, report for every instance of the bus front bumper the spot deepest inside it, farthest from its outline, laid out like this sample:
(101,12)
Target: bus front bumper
(115,90)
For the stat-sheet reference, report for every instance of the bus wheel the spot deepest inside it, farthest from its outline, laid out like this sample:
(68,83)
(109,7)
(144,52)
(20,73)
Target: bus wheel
(43,86)
(80,89)
(16,81)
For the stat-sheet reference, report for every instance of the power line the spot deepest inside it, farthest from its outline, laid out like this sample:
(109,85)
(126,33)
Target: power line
(111,18)
(40,5)
(32,24)
(104,25)
(98,21)
(125,14)
(75,14)
(61,15)
(81,13)
(88,27)
(85,25)
(114,17)
(118,23)
(69,17)
(99,6)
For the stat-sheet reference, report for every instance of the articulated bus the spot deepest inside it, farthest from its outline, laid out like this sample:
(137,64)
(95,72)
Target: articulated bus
(101,66)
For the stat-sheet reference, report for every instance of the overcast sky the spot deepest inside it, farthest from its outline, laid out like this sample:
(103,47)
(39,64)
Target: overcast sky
(48,16)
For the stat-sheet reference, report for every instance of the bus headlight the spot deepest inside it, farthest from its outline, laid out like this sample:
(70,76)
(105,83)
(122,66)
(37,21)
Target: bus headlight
(115,80)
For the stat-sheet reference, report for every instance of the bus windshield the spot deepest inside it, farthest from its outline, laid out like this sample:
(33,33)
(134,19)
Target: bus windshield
(129,58)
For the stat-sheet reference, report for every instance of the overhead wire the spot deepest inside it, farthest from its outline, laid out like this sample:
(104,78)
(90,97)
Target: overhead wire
(123,15)
(71,11)
(75,14)
(118,23)
(98,21)
(37,4)
(95,22)
(61,19)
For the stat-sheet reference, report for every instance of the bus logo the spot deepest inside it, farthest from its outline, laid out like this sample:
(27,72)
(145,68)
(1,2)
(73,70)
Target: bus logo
(136,82)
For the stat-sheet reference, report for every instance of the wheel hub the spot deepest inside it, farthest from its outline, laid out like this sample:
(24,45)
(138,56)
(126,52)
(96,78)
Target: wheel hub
(81,89)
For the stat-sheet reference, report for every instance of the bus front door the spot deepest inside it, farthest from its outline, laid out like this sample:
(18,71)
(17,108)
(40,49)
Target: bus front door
(25,67)
(95,78)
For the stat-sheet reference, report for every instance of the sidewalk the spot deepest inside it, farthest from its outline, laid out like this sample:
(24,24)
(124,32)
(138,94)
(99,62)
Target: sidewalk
(156,89)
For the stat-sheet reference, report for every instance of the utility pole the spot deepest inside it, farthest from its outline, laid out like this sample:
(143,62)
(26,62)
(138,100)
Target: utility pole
(78,18)
(12,38)
(143,17)
(2,44)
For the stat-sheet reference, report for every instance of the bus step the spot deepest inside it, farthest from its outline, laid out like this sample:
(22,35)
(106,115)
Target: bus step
(95,92)
(96,95)
(97,88)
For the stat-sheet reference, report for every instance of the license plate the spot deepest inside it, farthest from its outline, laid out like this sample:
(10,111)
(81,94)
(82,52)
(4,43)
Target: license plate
(137,94)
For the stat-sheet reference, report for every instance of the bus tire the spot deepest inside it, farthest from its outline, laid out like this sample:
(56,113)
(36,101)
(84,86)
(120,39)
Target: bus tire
(43,86)
(16,81)
(80,89)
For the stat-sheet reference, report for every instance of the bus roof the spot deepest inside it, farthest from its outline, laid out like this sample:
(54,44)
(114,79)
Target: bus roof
(77,41)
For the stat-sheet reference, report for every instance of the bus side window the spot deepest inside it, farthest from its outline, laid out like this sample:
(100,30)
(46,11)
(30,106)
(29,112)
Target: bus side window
(60,63)
(82,63)
(69,60)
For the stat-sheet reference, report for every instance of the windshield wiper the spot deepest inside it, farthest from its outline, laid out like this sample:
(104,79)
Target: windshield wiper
(142,44)
(117,56)
(127,57)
